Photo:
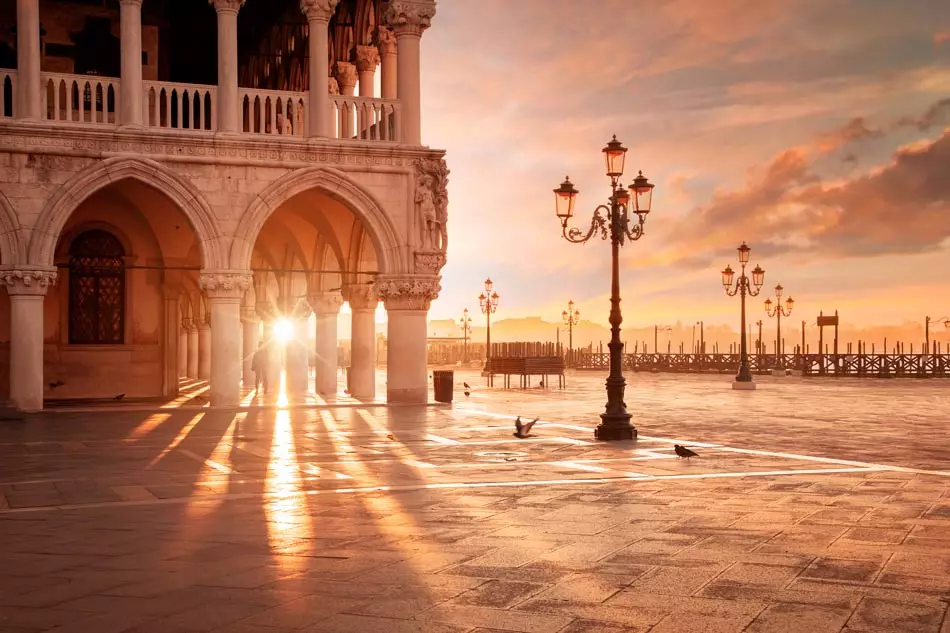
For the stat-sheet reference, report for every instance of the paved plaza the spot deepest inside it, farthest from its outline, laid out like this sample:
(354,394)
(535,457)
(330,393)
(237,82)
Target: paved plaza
(814,505)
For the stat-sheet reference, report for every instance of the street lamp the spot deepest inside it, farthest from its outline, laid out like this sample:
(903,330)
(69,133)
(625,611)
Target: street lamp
(656,337)
(488,302)
(778,313)
(743,287)
(466,325)
(622,220)
(571,318)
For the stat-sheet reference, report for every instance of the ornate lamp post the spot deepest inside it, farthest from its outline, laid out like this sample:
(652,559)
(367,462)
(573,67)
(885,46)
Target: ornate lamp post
(778,313)
(927,320)
(743,287)
(488,302)
(571,318)
(466,325)
(622,220)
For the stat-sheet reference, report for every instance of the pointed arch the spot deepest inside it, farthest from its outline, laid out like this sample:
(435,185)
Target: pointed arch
(10,246)
(335,184)
(103,173)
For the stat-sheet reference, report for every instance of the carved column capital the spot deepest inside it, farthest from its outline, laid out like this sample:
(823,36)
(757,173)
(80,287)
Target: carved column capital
(326,303)
(188,325)
(227,6)
(265,310)
(387,41)
(249,314)
(346,75)
(318,10)
(225,284)
(28,281)
(361,296)
(405,292)
(409,17)
(333,86)
(131,3)
(367,58)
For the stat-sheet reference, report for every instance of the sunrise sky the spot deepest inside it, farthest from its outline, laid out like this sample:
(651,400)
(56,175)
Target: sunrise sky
(816,130)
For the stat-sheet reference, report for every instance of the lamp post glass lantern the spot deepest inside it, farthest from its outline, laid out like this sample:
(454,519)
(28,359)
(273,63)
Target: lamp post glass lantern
(466,325)
(488,303)
(621,219)
(571,318)
(743,286)
(779,312)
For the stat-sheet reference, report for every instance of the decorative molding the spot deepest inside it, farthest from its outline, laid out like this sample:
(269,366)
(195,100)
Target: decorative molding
(387,41)
(31,281)
(326,303)
(409,17)
(429,262)
(361,296)
(227,5)
(225,284)
(319,10)
(346,75)
(432,202)
(408,293)
(367,58)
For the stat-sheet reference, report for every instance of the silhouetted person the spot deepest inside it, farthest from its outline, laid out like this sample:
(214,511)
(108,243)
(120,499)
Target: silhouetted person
(259,366)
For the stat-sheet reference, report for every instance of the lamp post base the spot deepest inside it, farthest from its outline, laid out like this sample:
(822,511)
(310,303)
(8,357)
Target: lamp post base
(743,386)
(615,427)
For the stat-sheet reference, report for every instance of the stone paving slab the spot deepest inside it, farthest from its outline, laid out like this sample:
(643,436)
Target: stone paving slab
(367,518)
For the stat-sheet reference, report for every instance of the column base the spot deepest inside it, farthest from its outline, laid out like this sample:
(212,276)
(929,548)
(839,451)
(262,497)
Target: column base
(615,427)
(743,386)
(408,396)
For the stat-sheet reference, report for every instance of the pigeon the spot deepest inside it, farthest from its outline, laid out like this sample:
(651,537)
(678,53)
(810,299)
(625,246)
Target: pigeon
(392,437)
(467,393)
(466,385)
(542,384)
(522,430)
(346,392)
(119,397)
(58,383)
(682,451)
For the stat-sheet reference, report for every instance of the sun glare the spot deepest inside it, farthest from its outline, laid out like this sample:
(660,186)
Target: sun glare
(283,330)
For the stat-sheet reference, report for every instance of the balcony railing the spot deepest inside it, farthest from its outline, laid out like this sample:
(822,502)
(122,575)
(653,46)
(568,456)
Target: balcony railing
(90,100)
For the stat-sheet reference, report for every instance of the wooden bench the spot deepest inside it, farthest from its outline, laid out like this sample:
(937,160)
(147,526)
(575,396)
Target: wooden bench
(544,366)
(506,367)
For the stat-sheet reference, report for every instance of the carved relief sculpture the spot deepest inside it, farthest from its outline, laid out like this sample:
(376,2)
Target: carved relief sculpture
(432,201)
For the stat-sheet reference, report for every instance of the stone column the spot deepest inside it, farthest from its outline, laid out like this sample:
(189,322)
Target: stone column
(225,289)
(327,306)
(388,59)
(318,14)
(27,288)
(183,348)
(298,350)
(132,90)
(367,59)
(407,301)
(192,350)
(346,76)
(252,336)
(28,60)
(408,19)
(172,342)
(228,104)
(204,349)
(363,302)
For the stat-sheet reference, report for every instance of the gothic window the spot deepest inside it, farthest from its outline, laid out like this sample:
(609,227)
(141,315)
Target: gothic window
(96,289)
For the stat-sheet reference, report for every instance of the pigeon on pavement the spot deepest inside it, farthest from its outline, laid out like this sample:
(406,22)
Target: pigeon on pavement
(682,451)
(522,430)
(119,397)
(466,385)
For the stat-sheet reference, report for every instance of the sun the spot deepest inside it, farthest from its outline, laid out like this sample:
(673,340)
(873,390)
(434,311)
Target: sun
(283,330)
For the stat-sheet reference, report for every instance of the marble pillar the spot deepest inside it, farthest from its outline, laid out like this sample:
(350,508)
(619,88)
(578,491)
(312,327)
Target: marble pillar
(388,61)
(408,19)
(252,335)
(297,350)
(224,290)
(131,91)
(172,342)
(29,90)
(407,300)
(228,100)
(367,59)
(27,289)
(363,301)
(193,348)
(183,348)
(326,306)
(204,349)
(318,14)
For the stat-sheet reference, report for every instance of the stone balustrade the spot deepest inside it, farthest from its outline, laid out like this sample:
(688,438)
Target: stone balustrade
(273,112)
(80,99)
(365,119)
(179,106)
(7,92)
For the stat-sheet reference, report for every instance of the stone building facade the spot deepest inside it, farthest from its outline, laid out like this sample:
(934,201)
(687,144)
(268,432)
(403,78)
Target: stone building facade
(153,228)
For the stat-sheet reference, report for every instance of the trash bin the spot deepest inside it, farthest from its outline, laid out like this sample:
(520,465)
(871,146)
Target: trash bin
(443,383)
